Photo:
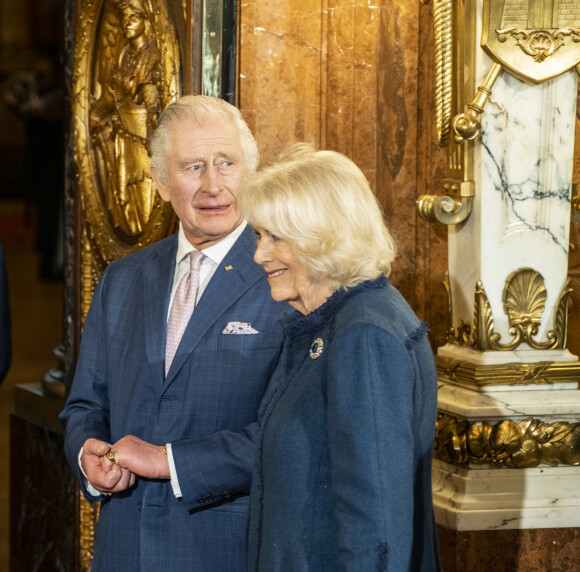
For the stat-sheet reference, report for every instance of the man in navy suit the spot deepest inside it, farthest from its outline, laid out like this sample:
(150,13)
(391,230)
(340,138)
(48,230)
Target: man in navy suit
(170,454)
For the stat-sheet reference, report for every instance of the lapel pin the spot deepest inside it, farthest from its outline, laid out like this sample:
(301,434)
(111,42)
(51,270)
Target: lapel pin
(229,268)
(316,348)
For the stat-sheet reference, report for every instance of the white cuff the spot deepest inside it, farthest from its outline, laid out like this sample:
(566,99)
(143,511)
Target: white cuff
(173,472)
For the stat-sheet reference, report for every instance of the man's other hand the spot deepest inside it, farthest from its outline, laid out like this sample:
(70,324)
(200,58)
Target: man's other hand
(104,476)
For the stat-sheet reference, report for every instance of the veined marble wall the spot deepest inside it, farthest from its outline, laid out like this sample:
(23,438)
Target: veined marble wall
(355,76)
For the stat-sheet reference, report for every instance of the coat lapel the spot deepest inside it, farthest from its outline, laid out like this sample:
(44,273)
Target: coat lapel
(232,279)
(157,282)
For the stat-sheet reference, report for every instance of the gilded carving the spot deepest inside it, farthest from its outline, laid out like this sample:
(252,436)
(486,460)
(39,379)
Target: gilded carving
(88,524)
(538,44)
(505,443)
(126,72)
(535,41)
(524,300)
(461,335)
(475,375)
(443,32)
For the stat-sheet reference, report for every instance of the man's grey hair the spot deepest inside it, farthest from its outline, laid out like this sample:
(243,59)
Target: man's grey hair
(201,110)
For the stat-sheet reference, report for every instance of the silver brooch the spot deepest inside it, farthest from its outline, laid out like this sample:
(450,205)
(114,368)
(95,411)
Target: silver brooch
(316,348)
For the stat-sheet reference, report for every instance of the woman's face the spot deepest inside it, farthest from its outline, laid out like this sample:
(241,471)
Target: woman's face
(288,278)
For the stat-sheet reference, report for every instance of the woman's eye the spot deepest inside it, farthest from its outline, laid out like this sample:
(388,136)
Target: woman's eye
(274,237)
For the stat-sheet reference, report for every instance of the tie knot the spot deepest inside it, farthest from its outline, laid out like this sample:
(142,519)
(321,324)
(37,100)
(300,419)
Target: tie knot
(195,260)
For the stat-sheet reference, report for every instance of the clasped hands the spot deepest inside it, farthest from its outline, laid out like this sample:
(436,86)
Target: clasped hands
(115,468)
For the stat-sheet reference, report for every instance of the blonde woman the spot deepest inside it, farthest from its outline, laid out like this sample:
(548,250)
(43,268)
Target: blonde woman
(342,479)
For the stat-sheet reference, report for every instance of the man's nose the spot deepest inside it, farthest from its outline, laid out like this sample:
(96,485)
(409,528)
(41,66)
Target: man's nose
(210,180)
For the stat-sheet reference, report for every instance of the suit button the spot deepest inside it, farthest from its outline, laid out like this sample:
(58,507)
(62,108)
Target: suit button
(139,505)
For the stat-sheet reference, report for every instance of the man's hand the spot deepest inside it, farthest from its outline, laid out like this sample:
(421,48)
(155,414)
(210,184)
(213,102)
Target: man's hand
(141,458)
(105,476)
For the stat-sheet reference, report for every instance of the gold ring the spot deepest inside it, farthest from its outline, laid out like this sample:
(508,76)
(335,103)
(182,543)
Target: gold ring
(111,456)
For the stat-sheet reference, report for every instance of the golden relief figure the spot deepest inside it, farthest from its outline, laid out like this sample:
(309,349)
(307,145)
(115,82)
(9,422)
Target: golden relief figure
(125,114)
(126,73)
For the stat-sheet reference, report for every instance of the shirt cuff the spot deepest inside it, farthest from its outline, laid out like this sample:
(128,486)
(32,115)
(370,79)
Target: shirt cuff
(173,472)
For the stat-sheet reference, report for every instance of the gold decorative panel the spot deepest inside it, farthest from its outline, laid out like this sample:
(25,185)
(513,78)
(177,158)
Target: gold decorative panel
(535,41)
(507,443)
(126,72)
(524,299)
(475,375)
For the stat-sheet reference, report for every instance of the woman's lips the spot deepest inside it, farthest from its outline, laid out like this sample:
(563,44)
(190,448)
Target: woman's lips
(276,273)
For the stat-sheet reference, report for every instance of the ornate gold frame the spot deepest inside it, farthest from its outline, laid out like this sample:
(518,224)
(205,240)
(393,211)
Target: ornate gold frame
(100,244)
(507,443)
(524,299)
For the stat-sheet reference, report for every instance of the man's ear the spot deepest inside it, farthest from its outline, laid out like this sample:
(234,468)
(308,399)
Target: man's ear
(162,188)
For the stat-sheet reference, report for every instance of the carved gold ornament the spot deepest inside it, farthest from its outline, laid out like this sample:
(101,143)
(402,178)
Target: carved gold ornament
(522,445)
(88,517)
(524,300)
(443,34)
(539,44)
(126,72)
(534,41)
(476,375)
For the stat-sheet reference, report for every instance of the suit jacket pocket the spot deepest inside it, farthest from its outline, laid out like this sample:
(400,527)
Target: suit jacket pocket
(247,342)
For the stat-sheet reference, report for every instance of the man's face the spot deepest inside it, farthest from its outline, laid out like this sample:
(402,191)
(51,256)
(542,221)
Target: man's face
(205,170)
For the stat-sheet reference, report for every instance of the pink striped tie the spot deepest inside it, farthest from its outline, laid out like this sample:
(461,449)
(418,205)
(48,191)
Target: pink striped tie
(182,307)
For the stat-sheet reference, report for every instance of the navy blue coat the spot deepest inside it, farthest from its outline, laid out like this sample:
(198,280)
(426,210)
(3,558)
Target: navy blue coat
(343,474)
(206,408)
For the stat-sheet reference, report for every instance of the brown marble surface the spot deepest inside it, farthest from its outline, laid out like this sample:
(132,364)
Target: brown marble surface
(42,500)
(539,550)
(355,77)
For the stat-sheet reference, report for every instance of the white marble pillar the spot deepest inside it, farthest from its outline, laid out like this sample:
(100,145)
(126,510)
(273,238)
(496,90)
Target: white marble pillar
(504,409)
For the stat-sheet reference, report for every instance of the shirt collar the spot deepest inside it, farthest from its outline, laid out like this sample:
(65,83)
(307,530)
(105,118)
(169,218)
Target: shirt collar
(216,252)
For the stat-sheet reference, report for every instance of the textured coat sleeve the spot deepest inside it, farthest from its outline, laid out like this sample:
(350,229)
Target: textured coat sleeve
(370,424)
(216,467)
(85,414)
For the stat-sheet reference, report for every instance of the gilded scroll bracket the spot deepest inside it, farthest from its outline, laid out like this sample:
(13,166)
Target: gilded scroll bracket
(452,208)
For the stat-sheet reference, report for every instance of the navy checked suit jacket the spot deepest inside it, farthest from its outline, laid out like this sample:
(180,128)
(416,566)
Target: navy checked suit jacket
(206,408)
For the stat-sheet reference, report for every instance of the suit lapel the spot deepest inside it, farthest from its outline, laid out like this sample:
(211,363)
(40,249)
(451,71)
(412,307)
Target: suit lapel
(232,279)
(158,279)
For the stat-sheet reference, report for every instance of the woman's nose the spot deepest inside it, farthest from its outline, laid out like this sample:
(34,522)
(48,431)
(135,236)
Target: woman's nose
(263,253)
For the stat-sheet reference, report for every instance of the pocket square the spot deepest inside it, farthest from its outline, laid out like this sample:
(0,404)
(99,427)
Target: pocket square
(239,328)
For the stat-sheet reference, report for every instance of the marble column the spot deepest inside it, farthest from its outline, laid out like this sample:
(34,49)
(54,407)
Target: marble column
(508,441)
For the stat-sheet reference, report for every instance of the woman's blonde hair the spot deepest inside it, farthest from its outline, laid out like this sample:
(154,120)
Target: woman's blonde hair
(321,204)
